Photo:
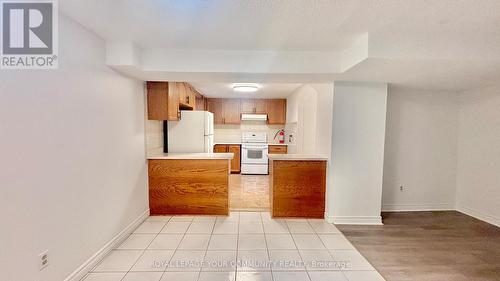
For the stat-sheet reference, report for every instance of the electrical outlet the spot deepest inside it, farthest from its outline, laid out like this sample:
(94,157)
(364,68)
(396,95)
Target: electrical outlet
(43,260)
(401,188)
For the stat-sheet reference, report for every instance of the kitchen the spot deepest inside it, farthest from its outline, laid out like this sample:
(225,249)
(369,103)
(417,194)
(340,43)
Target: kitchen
(249,125)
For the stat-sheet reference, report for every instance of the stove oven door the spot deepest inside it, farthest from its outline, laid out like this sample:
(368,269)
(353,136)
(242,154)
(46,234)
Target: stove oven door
(254,154)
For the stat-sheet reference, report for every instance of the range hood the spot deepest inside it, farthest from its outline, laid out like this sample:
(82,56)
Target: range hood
(254,117)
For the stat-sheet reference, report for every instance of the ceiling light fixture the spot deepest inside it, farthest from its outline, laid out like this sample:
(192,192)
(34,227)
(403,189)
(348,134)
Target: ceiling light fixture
(247,88)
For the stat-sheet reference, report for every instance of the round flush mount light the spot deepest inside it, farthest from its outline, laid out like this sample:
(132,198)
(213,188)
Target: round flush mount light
(246,88)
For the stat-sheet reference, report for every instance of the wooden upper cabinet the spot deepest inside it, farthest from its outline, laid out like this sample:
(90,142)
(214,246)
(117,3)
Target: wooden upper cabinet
(192,96)
(215,106)
(187,97)
(231,111)
(249,106)
(163,101)
(226,111)
(183,95)
(260,106)
(200,102)
(276,111)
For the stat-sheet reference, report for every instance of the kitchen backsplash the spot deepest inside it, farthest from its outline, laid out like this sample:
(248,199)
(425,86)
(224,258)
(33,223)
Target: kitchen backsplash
(222,133)
(232,133)
(154,135)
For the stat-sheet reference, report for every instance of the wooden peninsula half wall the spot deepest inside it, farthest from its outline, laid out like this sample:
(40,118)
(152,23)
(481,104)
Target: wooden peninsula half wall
(297,185)
(189,183)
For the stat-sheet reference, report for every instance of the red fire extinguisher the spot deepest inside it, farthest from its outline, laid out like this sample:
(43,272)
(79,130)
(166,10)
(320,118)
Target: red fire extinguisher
(280,134)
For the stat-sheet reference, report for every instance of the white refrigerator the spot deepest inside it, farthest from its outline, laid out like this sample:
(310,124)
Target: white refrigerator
(194,132)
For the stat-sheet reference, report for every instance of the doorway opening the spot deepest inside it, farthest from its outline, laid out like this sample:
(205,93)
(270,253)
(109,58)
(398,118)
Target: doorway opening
(249,192)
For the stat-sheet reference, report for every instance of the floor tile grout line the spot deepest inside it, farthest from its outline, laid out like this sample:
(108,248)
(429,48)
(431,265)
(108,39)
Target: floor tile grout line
(298,251)
(116,249)
(175,250)
(206,250)
(267,247)
(163,273)
(329,250)
(144,251)
(237,247)
(265,234)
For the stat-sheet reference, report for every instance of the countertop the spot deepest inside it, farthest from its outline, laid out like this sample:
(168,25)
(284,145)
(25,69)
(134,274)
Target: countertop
(291,157)
(270,143)
(189,156)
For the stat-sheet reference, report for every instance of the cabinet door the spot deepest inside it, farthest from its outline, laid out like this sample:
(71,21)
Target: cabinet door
(200,102)
(220,148)
(260,106)
(278,149)
(231,111)
(276,111)
(174,112)
(157,101)
(235,163)
(163,101)
(192,96)
(215,106)
(247,106)
(183,95)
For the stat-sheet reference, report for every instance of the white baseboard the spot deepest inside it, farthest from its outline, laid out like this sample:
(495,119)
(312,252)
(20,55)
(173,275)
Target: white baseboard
(479,215)
(81,271)
(356,220)
(417,207)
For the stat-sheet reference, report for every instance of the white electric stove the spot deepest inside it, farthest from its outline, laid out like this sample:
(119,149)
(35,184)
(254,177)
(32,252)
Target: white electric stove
(254,149)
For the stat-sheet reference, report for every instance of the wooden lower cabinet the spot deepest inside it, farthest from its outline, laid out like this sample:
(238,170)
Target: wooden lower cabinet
(278,149)
(297,188)
(232,148)
(188,187)
(236,162)
(220,148)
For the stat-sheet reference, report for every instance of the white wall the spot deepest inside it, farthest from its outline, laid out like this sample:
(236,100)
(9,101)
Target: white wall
(309,119)
(72,167)
(359,116)
(324,119)
(420,151)
(301,119)
(478,169)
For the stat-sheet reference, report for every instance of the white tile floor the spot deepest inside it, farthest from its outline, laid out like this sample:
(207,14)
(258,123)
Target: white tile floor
(245,246)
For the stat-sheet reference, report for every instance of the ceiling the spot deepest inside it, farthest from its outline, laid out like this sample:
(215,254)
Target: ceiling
(225,90)
(450,45)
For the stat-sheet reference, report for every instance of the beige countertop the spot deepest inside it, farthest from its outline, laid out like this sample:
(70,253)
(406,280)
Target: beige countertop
(189,156)
(229,142)
(291,157)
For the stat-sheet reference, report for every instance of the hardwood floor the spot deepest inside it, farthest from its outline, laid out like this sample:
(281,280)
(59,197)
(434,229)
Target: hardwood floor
(249,193)
(430,246)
